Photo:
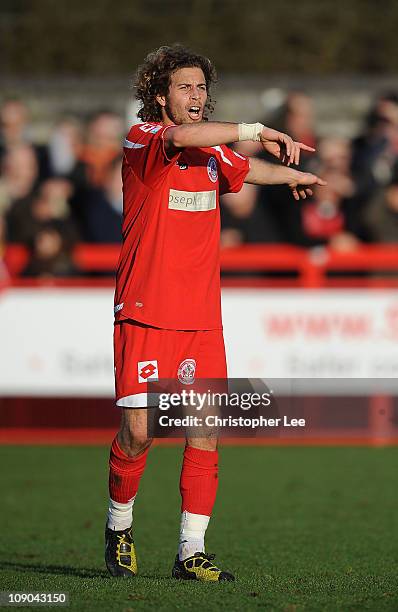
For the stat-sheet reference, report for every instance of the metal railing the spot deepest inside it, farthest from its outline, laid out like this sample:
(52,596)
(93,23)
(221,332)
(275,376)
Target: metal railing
(370,266)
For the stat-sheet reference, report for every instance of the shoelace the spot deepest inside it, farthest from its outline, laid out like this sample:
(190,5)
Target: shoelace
(209,557)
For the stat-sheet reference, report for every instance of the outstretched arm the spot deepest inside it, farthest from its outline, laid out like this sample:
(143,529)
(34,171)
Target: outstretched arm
(263,173)
(213,133)
(204,134)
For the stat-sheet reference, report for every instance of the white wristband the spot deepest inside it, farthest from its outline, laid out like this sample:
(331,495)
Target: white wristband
(250,131)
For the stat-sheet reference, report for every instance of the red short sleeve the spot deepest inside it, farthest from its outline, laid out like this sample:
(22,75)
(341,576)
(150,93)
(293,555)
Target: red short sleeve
(233,169)
(145,153)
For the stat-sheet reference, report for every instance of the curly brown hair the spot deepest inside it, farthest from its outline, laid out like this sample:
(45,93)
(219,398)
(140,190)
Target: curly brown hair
(153,78)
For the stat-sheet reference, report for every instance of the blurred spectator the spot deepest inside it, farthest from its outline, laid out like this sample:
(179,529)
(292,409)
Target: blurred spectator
(374,158)
(102,146)
(65,146)
(50,203)
(382,214)
(50,253)
(325,216)
(19,179)
(335,156)
(297,118)
(14,124)
(13,121)
(104,207)
(321,219)
(243,218)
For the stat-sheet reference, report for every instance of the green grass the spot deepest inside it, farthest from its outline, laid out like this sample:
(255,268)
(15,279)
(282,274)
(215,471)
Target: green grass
(302,529)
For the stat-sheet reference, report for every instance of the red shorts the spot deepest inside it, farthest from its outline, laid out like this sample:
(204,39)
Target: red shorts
(144,354)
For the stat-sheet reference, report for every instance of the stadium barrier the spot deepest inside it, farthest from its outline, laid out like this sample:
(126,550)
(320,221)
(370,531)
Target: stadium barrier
(367,266)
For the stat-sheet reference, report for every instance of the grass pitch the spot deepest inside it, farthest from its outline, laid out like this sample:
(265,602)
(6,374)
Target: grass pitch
(301,528)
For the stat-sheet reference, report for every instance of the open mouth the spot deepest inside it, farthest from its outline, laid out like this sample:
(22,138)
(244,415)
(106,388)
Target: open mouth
(194,112)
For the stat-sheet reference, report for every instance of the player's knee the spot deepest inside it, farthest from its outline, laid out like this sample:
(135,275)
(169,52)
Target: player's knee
(134,442)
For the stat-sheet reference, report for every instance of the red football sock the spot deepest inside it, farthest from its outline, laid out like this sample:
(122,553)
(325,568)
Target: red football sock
(199,480)
(124,473)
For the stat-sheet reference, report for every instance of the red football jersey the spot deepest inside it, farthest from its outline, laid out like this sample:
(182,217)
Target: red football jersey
(169,267)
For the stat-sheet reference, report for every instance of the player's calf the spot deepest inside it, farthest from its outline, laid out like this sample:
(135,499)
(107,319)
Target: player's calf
(124,476)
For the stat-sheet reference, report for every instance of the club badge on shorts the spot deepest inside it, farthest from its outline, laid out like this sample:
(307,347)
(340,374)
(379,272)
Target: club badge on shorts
(186,371)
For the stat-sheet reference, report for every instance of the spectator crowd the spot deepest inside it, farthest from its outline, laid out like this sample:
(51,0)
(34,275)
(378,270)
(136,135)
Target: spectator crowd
(67,191)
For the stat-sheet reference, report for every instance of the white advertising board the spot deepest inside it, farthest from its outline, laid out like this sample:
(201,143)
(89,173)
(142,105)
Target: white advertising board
(312,333)
(57,341)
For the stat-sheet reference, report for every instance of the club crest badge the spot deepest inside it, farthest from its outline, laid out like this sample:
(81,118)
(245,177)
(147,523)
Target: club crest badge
(186,371)
(212,169)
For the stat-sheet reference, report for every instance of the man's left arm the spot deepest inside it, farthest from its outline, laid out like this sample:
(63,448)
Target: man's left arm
(264,173)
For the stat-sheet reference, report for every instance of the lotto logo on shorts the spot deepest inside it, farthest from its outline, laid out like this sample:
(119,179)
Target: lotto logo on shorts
(148,370)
